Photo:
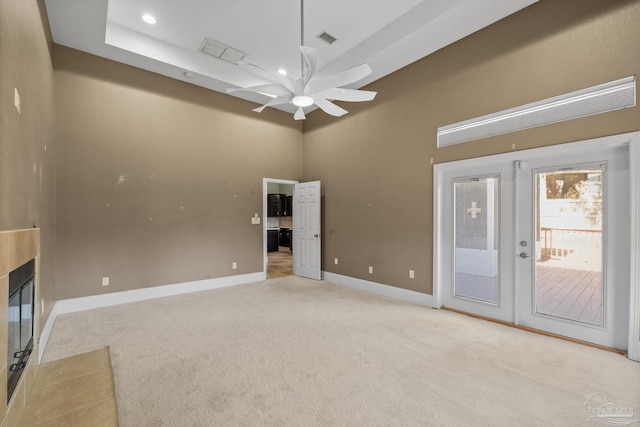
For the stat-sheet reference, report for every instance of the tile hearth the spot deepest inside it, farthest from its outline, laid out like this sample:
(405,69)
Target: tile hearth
(74,391)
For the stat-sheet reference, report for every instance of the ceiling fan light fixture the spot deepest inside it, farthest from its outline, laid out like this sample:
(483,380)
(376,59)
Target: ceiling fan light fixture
(306,90)
(302,101)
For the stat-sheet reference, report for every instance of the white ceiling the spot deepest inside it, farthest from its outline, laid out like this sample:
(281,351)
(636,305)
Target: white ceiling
(387,35)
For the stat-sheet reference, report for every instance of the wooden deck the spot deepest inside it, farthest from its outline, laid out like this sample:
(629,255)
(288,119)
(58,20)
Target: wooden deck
(566,288)
(569,293)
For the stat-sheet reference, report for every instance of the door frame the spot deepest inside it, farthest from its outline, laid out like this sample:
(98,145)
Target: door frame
(265,254)
(632,140)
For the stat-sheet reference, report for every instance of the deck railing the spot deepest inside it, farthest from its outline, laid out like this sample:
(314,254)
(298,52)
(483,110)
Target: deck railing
(561,242)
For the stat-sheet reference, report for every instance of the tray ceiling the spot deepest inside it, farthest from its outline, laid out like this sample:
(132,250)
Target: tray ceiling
(386,35)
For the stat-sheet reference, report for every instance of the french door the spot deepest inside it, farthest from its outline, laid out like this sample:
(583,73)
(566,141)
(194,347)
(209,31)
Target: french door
(572,238)
(540,240)
(478,230)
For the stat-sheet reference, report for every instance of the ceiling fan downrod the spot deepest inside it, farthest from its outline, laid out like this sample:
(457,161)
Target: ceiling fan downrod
(300,99)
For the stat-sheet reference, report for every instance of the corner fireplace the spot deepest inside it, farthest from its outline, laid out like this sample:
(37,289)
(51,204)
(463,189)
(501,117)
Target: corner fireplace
(21,314)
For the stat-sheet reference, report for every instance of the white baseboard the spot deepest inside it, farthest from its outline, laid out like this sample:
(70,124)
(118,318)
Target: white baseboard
(46,331)
(97,301)
(380,289)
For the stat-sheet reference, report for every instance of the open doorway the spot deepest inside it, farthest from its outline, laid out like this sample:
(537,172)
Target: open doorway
(278,207)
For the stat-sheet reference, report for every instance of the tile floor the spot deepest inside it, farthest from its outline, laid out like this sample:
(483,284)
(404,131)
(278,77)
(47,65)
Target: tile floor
(280,263)
(74,391)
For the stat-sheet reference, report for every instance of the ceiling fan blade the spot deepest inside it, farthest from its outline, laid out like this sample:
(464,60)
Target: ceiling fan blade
(343,78)
(329,107)
(287,83)
(341,94)
(311,61)
(270,89)
(258,71)
(299,115)
(275,101)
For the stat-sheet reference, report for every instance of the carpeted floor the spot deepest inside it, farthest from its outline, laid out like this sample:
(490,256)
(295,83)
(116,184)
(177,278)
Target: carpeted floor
(295,352)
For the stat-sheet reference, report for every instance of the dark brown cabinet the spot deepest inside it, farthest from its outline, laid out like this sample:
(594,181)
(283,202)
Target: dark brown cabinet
(272,240)
(274,204)
(285,237)
(287,206)
(279,205)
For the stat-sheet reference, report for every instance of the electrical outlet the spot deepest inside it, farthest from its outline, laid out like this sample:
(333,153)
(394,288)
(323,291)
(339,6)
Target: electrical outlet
(105,281)
(411,274)
(370,269)
(234,265)
(335,261)
(255,219)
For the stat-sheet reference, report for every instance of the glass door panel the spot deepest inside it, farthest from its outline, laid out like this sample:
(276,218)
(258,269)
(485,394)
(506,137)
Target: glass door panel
(476,255)
(568,264)
(573,276)
(476,239)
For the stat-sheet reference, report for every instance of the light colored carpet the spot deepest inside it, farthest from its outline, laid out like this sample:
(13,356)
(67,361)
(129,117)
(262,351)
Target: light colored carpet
(294,352)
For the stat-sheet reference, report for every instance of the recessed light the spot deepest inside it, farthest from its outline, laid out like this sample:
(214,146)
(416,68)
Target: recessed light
(188,74)
(282,72)
(149,19)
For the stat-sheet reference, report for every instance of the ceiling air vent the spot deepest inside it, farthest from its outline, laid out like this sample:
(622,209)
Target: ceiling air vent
(602,98)
(221,51)
(327,37)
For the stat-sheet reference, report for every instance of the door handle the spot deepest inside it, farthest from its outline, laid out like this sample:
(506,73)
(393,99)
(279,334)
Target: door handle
(524,255)
(316,235)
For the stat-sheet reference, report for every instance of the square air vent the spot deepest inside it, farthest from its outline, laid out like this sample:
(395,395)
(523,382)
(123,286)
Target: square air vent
(324,36)
(221,51)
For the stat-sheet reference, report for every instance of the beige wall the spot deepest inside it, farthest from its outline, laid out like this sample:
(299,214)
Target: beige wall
(158,179)
(27,145)
(375,162)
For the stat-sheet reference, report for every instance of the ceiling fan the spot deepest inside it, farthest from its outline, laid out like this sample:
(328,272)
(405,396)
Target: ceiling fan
(307,90)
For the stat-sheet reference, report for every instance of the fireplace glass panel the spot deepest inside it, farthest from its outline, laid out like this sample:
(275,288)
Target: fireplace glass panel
(14,328)
(26,326)
(20,328)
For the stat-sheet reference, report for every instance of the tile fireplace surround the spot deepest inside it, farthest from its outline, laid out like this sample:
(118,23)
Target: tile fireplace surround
(16,248)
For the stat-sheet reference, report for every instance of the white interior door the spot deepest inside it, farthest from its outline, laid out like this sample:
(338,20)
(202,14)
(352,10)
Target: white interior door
(572,269)
(306,230)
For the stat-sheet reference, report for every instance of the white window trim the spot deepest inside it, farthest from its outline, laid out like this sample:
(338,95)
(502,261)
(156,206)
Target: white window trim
(597,99)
